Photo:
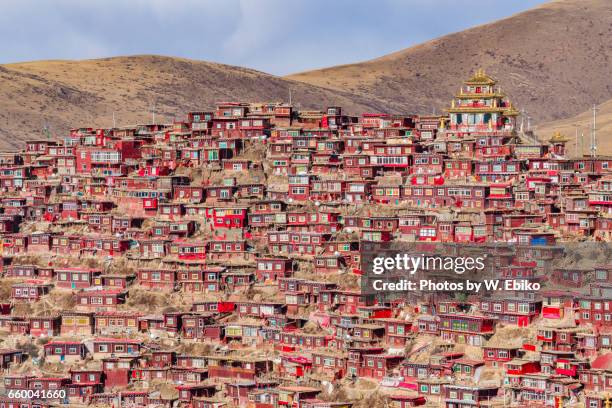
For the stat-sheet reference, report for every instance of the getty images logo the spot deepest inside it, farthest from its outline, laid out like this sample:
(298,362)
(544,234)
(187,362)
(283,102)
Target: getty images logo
(412,263)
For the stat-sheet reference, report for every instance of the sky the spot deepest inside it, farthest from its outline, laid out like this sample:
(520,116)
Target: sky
(274,36)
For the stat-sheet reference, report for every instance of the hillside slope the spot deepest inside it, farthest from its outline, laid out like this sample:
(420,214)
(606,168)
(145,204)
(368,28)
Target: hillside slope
(65,94)
(584,121)
(554,61)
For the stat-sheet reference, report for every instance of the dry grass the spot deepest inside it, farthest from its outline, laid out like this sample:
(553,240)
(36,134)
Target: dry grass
(122,266)
(56,301)
(194,349)
(146,301)
(5,288)
(30,348)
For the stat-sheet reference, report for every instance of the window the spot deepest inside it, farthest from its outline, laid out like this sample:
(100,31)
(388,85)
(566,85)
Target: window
(428,232)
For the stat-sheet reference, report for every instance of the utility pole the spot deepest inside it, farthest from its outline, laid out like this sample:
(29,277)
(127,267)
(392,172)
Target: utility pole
(114,122)
(153,111)
(576,147)
(593,133)
(528,123)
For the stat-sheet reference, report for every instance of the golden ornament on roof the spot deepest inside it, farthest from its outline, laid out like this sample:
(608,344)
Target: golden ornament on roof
(558,138)
(481,78)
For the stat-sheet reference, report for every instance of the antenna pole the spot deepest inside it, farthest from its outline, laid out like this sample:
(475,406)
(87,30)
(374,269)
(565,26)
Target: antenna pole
(576,147)
(593,133)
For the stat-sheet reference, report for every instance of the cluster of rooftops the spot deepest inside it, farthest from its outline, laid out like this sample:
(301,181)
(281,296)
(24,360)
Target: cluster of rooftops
(221,255)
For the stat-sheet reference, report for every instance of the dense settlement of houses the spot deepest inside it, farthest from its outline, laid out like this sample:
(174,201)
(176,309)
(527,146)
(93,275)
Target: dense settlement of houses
(247,221)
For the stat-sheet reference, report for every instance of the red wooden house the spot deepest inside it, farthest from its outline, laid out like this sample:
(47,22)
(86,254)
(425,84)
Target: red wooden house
(227,217)
(105,347)
(225,249)
(237,367)
(77,278)
(157,278)
(189,250)
(84,383)
(64,351)
(271,268)
(100,300)
(379,365)
(44,326)
(469,329)
(475,395)
(204,280)
(512,310)
(29,291)
(10,358)
(77,323)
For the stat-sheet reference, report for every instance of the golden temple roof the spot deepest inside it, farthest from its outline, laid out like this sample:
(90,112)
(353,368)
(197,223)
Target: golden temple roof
(558,138)
(480,78)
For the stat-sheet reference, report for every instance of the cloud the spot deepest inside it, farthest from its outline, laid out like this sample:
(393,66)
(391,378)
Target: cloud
(261,26)
(276,36)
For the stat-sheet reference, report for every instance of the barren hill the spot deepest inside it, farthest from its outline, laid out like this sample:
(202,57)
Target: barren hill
(584,121)
(554,61)
(65,94)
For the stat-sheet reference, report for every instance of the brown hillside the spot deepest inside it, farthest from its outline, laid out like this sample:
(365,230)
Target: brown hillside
(65,94)
(584,120)
(554,61)
(550,69)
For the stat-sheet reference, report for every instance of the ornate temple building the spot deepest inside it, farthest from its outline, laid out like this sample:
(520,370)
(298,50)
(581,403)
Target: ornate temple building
(481,107)
(557,144)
